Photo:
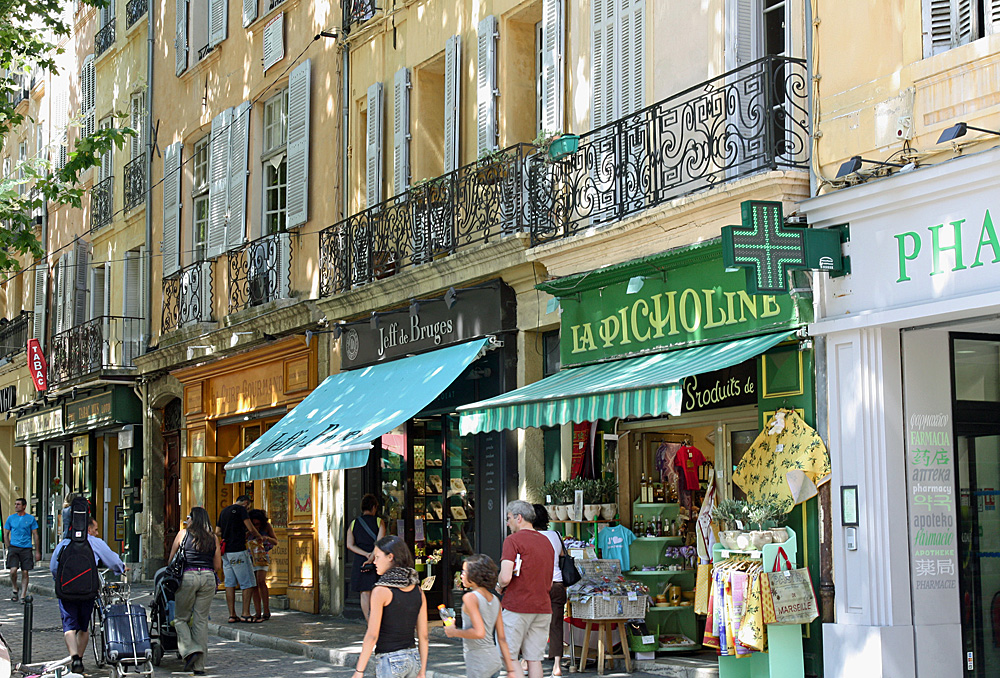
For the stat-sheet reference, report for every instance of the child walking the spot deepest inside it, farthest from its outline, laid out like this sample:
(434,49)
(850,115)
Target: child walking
(482,615)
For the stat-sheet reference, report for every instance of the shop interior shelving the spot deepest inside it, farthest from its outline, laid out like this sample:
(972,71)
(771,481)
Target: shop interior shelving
(650,552)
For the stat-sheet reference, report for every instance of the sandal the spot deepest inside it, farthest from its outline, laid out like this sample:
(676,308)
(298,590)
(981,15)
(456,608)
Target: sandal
(250,620)
(266,616)
(234,619)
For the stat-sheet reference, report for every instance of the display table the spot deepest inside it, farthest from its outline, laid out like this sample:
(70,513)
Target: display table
(605,646)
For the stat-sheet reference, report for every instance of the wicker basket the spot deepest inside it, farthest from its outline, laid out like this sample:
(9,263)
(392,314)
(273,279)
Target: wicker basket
(599,568)
(614,607)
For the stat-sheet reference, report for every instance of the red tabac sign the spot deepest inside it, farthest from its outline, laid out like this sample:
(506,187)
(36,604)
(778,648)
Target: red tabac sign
(37,365)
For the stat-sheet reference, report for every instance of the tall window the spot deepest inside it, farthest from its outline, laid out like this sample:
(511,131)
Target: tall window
(199,192)
(107,159)
(950,23)
(274,161)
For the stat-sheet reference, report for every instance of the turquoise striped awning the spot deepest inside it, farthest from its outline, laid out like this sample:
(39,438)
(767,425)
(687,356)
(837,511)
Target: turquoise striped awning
(335,424)
(646,386)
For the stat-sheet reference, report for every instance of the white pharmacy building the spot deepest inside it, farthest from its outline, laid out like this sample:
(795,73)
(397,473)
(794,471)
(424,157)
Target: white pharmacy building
(911,341)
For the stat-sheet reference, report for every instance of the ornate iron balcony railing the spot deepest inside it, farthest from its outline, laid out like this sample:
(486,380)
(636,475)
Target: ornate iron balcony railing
(104,38)
(102,200)
(744,121)
(474,204)
(14,334)
(135,182)
(135,10)
(187,297)
(356,12)
(104,343)
(259,271)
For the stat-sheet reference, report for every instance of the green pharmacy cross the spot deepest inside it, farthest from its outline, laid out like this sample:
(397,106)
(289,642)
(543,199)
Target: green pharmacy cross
(768,248)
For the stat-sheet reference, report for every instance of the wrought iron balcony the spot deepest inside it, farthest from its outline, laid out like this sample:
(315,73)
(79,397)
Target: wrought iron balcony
(14,334)
(356,12)
(135,182)
(187,297)
(102,201)
(472,205)
(104,344)
(104,38)
(259,271)
(744,121)
(134,11)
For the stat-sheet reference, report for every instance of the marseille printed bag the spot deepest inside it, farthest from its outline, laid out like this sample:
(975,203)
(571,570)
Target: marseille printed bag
(787,595)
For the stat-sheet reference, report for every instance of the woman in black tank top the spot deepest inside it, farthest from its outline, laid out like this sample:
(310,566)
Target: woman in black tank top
(398,611)
(202,557)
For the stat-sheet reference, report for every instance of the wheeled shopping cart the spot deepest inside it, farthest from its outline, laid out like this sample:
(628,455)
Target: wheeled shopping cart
(120,632)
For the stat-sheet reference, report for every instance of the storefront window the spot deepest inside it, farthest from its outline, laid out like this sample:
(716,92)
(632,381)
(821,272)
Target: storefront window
(197,485)
(277,502)
(394,478)
(977,370)
(303,505)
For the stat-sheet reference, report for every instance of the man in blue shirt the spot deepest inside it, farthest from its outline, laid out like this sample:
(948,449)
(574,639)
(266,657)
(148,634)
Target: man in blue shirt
(76,614)
(20,535)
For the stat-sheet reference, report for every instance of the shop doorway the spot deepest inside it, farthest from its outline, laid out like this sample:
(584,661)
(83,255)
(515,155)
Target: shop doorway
(976,406)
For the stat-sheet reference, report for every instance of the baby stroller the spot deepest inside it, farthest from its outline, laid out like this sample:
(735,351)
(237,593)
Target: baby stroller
(161,614)
(120,633)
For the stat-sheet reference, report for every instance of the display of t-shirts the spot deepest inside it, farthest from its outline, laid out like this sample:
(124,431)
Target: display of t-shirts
(614,543)
(689,459)
(787,448)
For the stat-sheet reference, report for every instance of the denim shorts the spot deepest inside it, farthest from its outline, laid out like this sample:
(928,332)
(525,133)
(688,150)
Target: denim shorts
(399,664)
(238,571)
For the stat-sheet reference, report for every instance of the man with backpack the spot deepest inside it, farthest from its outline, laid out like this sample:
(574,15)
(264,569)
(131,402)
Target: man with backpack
(74,566)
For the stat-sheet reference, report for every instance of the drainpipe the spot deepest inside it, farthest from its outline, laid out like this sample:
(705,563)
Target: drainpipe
(345,106)
(813,179)
(148,301)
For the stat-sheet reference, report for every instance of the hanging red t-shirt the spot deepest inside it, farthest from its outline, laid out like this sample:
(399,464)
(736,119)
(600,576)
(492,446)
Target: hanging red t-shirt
(689,459)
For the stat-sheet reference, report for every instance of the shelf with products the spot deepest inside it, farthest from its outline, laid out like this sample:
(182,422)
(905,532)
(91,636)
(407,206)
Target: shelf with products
(658,573)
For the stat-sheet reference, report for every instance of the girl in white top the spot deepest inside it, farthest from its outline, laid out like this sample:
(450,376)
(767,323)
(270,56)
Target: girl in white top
(482,617)
(557,594)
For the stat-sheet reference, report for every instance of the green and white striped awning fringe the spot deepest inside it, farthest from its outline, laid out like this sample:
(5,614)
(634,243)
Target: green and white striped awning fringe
(646,386)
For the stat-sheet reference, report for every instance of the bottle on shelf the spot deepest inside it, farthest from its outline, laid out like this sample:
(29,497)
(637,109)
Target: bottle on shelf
(642,488)
(638,527)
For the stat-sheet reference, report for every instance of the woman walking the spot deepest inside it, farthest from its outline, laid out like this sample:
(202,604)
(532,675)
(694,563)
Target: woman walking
(557,594)
(398,609)
(362,534)
(202,557)
(482,617)
(260,555)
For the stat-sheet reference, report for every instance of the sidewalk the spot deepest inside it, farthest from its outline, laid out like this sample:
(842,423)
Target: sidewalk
(337,641)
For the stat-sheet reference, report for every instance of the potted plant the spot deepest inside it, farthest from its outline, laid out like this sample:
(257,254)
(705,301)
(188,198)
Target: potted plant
(556,498)
(572,486)
(759,513)
(556,145)
(609,497)
(592,499)
(490,167)
(729,513)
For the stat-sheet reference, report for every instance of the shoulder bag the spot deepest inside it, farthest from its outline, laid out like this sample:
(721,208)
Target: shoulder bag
(175,568)
(567,565)
(366,568)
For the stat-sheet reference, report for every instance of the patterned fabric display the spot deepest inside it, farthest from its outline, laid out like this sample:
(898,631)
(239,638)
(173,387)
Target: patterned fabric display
(787,446)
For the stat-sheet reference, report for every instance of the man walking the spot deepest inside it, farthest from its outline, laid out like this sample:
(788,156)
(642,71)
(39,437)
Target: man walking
(232,528)
(20,535)
(525,580)
(76,614)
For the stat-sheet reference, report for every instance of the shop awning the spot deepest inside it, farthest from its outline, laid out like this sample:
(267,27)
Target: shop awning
(633,387)
(334,426)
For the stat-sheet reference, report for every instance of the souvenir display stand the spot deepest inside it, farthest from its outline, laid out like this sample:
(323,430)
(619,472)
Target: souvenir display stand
(650,552)
(783,658)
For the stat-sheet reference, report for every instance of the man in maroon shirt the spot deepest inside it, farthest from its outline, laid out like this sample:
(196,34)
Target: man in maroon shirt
(525,579)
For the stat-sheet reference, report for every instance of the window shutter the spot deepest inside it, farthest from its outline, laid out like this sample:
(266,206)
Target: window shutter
(108,13)
(452,100)
(98,283)
(552,66)
(205,291)
(401,132)
(633,57)
(133,285)
(992,16)
(136,142)
(283,265)
(171,209)
(60,300)
(79,277)
(603,64)
(486,85)
(41,287)
(218,20)
(60,111)
(218,183)
(67,289)
(181,38)
(274,41)
(249,12)
(87,96)
(741,33)
(239,152)
(297,150)
(373,145)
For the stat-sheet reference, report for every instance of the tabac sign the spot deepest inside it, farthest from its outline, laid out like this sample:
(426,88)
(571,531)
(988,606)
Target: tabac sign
(678,298)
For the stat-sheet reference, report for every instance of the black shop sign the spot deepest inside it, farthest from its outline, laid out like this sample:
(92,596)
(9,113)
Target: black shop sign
(728,387)
(431,324)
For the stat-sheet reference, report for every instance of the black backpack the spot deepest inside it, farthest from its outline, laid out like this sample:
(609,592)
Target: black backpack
(76,569)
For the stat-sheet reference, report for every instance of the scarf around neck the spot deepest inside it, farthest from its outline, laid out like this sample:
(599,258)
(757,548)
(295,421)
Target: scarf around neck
(398,578)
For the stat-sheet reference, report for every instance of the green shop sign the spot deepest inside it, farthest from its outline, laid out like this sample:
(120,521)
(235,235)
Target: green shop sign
(678,298)
(117,406)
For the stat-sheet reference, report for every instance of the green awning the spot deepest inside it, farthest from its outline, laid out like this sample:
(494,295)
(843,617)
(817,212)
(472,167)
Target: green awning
(646,386)
(335,424)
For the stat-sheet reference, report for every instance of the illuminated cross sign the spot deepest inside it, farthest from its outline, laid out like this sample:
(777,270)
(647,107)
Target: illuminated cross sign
(768,249)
